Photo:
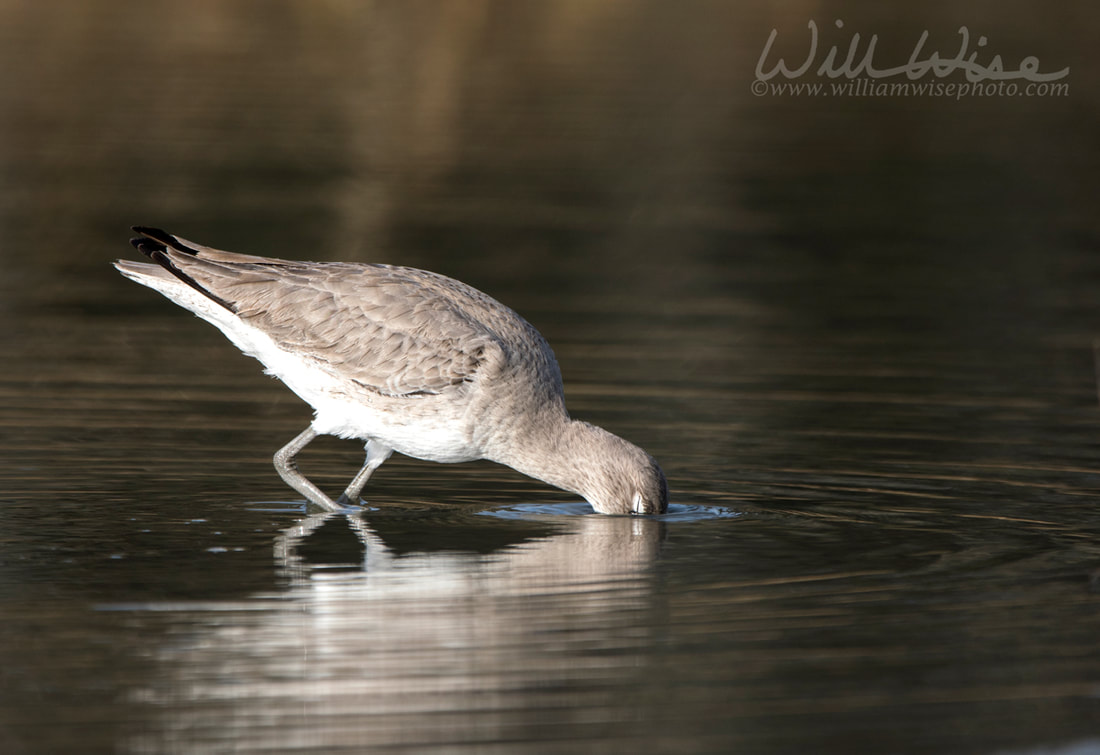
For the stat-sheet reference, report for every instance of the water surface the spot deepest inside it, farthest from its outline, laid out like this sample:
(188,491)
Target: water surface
(857,334)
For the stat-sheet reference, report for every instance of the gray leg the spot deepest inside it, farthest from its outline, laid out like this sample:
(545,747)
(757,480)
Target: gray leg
(376,454)
(288,470)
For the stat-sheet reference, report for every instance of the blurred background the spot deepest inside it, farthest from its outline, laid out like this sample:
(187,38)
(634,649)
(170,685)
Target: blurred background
(857,332)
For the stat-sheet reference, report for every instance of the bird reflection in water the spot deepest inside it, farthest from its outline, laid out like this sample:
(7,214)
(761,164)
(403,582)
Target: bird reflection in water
(383,640)
(533,548)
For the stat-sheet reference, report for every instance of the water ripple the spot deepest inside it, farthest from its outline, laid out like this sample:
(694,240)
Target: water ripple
(677,512)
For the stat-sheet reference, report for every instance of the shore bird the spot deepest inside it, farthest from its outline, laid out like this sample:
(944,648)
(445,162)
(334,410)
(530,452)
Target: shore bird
(404,360)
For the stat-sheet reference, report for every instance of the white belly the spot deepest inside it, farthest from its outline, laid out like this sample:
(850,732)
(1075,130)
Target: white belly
(424,427)
(437,437)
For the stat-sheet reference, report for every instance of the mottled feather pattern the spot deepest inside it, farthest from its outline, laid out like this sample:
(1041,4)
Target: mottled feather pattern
(329,317)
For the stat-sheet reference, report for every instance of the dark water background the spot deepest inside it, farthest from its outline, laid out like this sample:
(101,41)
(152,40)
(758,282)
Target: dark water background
(858,328)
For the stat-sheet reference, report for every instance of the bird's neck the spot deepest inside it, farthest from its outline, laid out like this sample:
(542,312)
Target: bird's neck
(566,453)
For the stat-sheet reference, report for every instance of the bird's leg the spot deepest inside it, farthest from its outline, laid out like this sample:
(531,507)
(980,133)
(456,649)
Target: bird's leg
(288,470)
(376,454)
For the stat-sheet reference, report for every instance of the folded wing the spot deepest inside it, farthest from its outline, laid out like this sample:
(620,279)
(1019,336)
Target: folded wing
(391,330)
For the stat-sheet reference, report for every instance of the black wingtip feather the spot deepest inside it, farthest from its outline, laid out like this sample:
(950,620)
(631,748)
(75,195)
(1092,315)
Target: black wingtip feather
(147,246)
(162,237)
(154,244)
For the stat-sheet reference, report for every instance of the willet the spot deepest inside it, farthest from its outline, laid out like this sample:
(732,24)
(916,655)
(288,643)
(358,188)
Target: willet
(405,360)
